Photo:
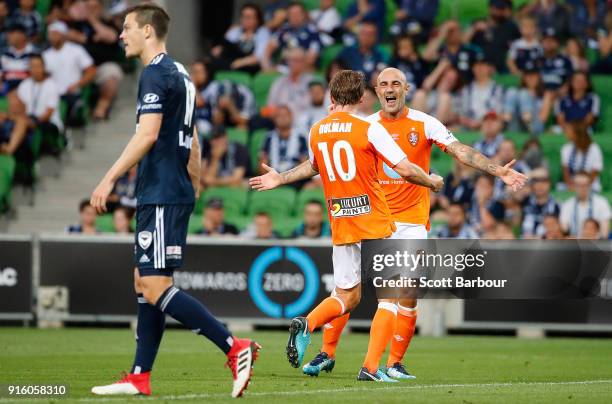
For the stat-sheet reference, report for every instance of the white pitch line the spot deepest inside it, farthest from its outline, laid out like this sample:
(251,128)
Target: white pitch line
(320,391)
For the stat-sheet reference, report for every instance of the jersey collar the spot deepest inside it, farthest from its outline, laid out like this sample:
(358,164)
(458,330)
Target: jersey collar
(402,116)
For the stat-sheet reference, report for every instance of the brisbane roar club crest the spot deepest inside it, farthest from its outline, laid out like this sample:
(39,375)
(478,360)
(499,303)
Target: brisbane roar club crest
(413,137)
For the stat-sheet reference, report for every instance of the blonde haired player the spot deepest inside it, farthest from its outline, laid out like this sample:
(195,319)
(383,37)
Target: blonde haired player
(347,150)
(415,132)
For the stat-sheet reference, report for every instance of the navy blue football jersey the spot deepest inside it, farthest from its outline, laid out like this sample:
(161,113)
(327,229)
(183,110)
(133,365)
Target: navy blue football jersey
(165,88)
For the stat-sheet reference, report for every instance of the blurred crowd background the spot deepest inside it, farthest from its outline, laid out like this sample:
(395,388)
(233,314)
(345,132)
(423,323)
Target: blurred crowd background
(524,80)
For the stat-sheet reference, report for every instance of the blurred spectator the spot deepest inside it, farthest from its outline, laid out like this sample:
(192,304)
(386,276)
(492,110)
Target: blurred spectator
(122,220)
(124,192)
(87,222)
(591,230)
(334,67)
(40,100)
(13,133)
(230,103)
(224,163)
(368,105)
(15,60)
(213,220)
(532,155)
(370,11)
(313,226)
(523,106)
(576,53)
(261,228)
(581,104)
(485,210)
(526,51)
(454,69)
(548,14)
(284,147)
(100,38)
(552,228)
(581,154)
(495,34)
(275,13)
(481,97)
(316,110)
(407,59)
(604,46)
(298,32)
(555,70)
(500,231)
(585,16)
(415,17)
(291,89)
(27,16)
(538,205)
(458,186)
(71,68)
(456,226)
(365,55)
(586,204)
(492,136)
(327,19)
(244,45)
(200,77)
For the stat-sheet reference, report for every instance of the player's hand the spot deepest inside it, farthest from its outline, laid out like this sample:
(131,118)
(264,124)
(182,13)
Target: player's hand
(437,182)
(100,196)
(270,180)
(512,178)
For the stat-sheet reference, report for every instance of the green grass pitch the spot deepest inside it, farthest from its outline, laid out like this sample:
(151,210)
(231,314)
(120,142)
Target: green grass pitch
(190,369)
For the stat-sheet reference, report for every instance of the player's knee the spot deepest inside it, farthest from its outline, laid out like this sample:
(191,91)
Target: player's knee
(153,288)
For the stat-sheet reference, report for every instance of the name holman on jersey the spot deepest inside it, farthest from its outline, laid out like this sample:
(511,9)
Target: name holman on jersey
(351,206)
(335,127)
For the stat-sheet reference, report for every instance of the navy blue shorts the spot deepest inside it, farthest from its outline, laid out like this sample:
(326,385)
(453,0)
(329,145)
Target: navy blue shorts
(161,236)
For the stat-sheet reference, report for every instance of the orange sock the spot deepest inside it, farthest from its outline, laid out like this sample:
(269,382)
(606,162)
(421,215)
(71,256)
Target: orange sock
(380,334)
(331,334)
(402,334)
(326,311)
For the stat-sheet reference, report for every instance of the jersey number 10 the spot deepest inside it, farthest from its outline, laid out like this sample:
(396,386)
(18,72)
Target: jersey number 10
(339,146)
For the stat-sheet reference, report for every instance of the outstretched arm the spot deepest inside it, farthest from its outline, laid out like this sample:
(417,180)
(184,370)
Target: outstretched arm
(272,178)
(471,157)
(415,175)
(136,149)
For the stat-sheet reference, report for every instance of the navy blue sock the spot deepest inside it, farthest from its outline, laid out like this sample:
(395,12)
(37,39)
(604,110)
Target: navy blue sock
(194,315)
(149,332)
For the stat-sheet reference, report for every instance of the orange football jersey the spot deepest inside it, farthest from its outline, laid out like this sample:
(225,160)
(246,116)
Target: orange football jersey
(414,132)
(347,151)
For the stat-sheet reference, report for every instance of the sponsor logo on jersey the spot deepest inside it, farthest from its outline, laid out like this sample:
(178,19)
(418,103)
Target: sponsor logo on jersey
(144,239)
(413,137)
(173,252)
(8,277)
(150,98)
(351,206)
(144,259)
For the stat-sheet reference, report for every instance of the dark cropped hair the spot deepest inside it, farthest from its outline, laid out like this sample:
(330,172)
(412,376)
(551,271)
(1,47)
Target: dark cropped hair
(153,15)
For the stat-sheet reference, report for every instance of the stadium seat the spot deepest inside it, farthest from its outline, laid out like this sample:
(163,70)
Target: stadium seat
(328,54)
(261,85)
(195,224)
(240,221)
(311,4)
(235,77)
(43,7)
(234,199)
(255,146)
(603,88)
(507,80)
(7,170)
(237,135)
(104,223)
(278,203)
(306,195)
(3,104)
(285,227)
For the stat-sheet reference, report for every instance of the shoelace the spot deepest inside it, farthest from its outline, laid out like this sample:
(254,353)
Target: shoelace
(320,358)
(400,367)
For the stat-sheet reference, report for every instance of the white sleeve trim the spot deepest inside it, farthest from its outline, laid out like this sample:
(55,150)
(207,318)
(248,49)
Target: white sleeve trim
(384,143)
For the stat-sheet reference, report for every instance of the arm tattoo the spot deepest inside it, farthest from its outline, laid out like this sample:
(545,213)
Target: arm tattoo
(471,157)
(300,172)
